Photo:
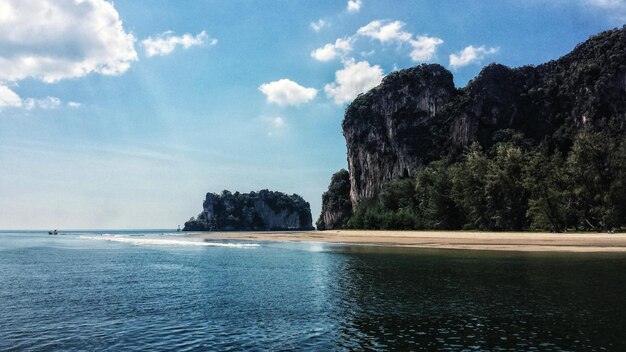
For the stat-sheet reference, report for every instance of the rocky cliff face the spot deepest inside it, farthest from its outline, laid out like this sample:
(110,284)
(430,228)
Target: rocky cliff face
(336,204)
(416,116)
(255,211)
(387,130)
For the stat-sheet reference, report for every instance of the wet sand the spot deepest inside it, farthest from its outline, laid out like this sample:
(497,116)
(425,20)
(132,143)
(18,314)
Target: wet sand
(498,241)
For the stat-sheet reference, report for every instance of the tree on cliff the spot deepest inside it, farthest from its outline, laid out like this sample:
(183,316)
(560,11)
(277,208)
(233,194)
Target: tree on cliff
(336,204)
(508,189)
(595,171)
(537,148)
(254,211)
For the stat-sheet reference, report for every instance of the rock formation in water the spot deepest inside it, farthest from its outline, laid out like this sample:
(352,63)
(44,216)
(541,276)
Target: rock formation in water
(416,116)
(336,205)
(254,211)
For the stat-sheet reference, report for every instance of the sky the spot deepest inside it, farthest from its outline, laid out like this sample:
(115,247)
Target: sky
(123,115)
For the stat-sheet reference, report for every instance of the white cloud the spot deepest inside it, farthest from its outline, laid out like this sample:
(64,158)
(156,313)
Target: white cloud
(8,98)
(47,103)
(424,48)
(354,79)
(52,40)
(278,122)
(166,42)
(469,55)
(330,51)
(354,5)
(287,92)
(274,125)
(385,31)
(317,26)
(73,104)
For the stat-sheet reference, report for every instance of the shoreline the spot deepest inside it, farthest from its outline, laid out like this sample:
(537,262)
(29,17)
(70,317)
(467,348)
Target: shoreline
(485,241)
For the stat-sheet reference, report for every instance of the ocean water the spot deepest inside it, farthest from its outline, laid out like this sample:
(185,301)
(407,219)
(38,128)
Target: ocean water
(148,291)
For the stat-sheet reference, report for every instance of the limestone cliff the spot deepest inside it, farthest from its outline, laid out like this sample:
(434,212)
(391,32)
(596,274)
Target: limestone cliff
(254,211)
(387,130)
(416,115)
(336,205)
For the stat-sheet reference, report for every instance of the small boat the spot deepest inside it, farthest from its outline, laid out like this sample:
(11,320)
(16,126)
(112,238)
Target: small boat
(55,232)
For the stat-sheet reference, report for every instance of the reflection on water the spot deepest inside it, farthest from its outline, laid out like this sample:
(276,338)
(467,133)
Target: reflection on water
(77,294)
(481,300)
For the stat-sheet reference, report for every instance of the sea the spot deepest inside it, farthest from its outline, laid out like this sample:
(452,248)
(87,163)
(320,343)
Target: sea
(159,291)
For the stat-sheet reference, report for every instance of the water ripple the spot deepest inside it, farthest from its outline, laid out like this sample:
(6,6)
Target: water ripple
(67,294)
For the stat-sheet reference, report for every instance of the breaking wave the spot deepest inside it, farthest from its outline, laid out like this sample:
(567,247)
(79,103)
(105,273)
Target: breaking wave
(167,242)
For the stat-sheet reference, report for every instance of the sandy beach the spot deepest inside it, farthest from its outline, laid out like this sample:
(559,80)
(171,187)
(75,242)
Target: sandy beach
(495,241)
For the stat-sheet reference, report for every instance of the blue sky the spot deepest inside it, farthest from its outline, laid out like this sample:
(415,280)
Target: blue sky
(123,115)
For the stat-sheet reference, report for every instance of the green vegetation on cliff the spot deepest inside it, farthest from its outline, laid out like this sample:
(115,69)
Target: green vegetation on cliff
(510,187)
(254,211)
(336,205)
(535,147)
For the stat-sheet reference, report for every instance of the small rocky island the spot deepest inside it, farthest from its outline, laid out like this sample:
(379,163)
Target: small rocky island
(255,211)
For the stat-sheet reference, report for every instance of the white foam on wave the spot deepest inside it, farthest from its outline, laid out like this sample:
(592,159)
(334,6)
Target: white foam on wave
(168,242)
